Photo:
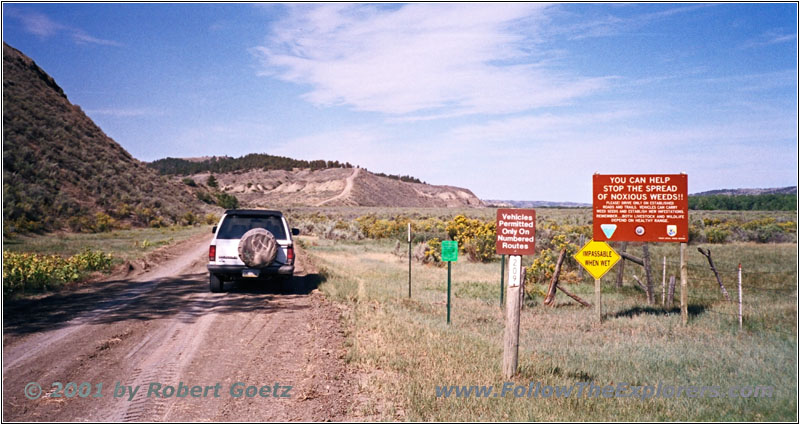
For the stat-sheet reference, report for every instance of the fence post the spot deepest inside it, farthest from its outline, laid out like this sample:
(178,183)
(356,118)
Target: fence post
(740,296)
(664,282)
(684,285)
(621,270)
(651,298)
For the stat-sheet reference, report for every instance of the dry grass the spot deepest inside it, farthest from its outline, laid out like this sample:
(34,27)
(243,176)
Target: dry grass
(405,348)
(122,244)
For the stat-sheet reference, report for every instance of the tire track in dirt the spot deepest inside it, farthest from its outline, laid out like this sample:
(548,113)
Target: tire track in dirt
(30,348)
(167,328)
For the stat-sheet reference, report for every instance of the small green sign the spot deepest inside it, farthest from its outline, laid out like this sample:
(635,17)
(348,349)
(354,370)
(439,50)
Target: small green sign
(449,251)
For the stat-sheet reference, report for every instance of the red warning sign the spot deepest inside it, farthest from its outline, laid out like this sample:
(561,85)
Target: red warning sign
(641,208)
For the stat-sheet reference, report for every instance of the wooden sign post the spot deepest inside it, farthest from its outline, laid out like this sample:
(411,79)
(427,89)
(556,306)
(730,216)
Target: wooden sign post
(513,303)
(516,236)
(644,208)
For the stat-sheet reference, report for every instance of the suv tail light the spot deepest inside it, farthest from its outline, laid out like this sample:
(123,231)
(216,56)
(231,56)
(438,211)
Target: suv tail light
(290,255)
(212,253)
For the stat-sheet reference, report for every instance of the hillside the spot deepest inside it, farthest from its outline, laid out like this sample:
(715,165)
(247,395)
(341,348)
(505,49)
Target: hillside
(266,162)
(789,190)
(61,170)
(332,187)
(535,204)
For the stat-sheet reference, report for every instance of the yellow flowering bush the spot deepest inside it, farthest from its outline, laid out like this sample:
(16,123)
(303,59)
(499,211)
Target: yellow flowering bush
(25,272)
(475,237)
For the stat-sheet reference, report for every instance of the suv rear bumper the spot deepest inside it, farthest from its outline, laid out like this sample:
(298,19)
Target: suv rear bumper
(236,271)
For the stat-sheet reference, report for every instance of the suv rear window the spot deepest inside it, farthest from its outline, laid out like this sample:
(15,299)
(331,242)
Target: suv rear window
(235,226)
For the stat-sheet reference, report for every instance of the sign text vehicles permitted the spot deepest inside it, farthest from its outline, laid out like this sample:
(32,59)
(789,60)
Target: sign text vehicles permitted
(516,231)
(640,207)
(597,258)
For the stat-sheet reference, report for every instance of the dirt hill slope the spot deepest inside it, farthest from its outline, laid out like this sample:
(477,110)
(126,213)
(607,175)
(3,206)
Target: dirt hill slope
(60,169)
(335,187)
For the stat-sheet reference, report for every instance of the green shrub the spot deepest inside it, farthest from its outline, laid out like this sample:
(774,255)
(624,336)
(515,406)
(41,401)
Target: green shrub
(433,252)
(205,197)
(375,228)
(227,201)
(717,234)
(188,219)
(103,222)
(544,265)
(157,222)
(189,181)
(212,218)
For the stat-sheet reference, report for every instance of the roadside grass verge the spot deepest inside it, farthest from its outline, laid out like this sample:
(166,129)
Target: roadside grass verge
(122,244)
(46,262)
(404,348)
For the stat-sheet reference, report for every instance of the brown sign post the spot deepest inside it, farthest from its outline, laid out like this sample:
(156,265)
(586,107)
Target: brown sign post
(516,236)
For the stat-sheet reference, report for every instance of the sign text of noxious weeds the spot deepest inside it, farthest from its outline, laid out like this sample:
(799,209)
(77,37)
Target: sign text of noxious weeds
(641,208)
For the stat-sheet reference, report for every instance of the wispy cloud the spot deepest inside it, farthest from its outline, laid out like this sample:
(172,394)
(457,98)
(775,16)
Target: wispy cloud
(125,112)
(421,59)
(770,37)
(611,25)
(42,26)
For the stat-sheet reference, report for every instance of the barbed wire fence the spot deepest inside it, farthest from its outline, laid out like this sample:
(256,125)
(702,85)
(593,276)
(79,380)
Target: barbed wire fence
(758,285)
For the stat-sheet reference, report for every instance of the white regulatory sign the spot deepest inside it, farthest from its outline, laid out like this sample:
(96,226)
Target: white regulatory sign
(514,267)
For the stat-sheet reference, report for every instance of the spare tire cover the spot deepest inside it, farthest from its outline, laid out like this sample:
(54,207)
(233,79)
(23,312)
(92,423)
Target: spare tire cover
(258,248)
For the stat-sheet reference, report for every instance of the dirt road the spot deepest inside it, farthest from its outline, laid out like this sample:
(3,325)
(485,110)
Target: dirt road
(251,353)
(348,188)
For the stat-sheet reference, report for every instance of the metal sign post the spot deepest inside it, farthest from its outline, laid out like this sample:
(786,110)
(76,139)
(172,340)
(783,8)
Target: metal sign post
(449,254)
(502,277)
(409,260)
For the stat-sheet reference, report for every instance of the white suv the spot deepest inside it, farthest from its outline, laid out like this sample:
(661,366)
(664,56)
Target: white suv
(242,235)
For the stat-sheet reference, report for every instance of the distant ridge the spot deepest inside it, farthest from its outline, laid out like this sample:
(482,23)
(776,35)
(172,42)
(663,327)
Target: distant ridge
(789,190)
(259,188)
(534,204)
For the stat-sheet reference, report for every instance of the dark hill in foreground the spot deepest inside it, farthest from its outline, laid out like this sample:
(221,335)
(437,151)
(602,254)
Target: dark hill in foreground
(61,170)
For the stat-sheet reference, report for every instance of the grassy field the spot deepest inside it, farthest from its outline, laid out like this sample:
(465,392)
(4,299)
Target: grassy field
(40,263)
(122,244)
(405,349)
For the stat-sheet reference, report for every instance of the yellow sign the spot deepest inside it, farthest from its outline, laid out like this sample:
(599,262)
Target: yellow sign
(597,258)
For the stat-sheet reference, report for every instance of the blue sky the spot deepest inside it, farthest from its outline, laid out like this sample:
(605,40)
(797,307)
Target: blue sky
(514,101)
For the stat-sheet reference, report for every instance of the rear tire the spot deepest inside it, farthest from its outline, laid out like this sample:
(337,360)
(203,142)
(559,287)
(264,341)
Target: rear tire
(215,283)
